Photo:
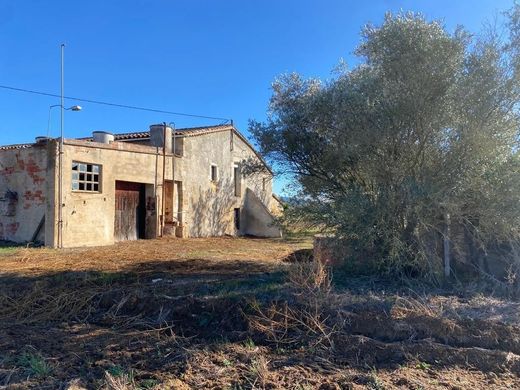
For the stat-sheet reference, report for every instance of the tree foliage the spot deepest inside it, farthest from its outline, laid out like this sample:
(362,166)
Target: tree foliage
(425,127)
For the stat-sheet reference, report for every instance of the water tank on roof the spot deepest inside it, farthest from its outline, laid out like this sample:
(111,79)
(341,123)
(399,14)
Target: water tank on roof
(41,139)
(158,139)
(102,137)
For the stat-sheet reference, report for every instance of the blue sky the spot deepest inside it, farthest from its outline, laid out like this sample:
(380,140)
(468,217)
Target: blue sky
(214,58)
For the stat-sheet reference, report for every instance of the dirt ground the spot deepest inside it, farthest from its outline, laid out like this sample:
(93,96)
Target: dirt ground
(175,314)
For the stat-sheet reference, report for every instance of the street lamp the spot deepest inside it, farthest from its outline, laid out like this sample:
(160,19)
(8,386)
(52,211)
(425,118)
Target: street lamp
(72,108)
(60,148)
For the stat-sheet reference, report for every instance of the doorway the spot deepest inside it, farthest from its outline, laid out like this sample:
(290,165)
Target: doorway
(130,211)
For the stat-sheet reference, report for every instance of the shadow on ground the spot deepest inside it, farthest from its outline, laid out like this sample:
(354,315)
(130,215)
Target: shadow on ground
(155,320)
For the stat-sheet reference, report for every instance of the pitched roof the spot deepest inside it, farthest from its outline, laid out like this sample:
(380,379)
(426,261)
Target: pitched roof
(191,132)
(187,131)
(184,132)
(16,146)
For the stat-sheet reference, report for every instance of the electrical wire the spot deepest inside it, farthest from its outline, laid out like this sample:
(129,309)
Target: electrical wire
(226,120)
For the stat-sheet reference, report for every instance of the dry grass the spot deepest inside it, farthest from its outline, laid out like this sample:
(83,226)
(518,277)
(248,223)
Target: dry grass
(167,314)
(122,256)
(53,285)
(312,316)
(41,304)
(405,306)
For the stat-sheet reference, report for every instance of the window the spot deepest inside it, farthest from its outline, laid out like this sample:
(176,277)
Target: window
(264,181)
(86,177)
(178,145)
(214,172)
(237,218)
(236,179)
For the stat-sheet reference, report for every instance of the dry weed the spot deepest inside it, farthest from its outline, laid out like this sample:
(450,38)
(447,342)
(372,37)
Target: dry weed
(120,382)
(420,306)
(308,316)
(42,304)
(75,384)
(259,372)
(310,277)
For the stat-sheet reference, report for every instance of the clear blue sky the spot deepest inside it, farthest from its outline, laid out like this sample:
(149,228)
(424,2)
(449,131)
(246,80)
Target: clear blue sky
(215,58)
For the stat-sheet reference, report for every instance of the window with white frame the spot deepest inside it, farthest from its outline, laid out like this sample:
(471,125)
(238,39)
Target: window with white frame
(86,177)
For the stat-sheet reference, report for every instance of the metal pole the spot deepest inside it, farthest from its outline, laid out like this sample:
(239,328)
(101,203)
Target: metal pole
(173,180)
(163,216)
(60,159)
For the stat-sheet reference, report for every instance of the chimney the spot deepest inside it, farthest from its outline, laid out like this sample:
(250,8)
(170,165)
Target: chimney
(102,137)
(157,133)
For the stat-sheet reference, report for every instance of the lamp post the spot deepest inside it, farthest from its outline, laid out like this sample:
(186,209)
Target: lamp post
(72,108)
(60,157)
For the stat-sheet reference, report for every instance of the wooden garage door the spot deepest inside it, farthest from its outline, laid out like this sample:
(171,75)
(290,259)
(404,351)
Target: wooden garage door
(128,219)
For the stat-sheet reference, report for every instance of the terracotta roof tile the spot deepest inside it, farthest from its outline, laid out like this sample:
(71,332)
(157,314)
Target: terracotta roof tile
(185,132)
(188,131)
(17,146)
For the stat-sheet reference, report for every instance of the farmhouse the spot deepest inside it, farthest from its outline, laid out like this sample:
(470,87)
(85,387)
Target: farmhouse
(112,187)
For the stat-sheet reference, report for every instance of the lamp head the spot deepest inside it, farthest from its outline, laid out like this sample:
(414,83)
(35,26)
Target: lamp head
(76,108)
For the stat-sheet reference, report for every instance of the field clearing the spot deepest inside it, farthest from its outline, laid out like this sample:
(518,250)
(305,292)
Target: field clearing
(167,253)
(176,314)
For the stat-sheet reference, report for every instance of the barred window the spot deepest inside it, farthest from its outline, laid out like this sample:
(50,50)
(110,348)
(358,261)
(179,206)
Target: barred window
(86,177)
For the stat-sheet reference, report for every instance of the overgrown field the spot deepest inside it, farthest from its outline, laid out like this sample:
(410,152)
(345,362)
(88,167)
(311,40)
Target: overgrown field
(239,314)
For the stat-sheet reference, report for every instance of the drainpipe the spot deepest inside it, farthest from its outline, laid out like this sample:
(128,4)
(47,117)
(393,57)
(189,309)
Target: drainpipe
(156,182)
(173,169)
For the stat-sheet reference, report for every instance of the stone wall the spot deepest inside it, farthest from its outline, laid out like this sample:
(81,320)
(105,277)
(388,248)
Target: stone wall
(25,176)
(210,206)
(207,206)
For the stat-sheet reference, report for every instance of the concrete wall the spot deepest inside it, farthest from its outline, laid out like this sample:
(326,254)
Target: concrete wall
(259,221)
(28,172)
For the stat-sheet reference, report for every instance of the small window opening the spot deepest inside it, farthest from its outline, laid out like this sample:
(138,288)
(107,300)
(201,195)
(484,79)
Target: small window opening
(264,183)
(86,177)
(214,173)
(237,181)
(237,218)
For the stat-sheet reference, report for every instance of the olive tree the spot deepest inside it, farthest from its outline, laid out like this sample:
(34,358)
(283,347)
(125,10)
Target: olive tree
(411,151)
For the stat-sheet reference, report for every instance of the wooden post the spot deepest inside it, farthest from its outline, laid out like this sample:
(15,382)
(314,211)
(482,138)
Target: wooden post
(447,260)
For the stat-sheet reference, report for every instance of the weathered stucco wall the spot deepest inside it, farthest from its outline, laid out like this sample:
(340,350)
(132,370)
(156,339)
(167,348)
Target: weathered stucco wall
(210,205)
(26,172)
(259,220)
(207,207)
(88,217)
